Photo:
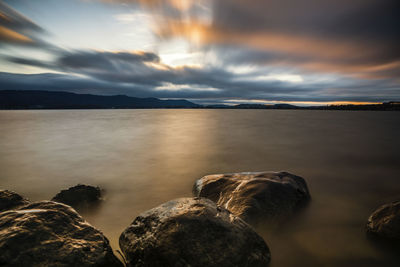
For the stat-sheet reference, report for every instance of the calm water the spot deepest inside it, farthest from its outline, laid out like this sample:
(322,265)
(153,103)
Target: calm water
(351,161)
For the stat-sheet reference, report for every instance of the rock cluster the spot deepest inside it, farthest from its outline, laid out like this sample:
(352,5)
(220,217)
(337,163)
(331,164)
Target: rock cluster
(206,230)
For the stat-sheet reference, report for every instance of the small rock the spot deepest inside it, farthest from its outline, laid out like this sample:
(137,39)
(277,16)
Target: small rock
(51,234)
(255,195)
(79,196)
(192,232)
(384,223)
(11,200)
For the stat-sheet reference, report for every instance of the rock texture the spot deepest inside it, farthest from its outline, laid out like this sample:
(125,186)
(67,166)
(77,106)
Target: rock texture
(51,234)
(254,195)
(79,196)
(192,232)
(384,223)
(11,200)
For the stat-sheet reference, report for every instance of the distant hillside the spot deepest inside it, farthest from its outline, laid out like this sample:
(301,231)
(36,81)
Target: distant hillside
(30,99)
(262,106)
(12,99)
(387,106)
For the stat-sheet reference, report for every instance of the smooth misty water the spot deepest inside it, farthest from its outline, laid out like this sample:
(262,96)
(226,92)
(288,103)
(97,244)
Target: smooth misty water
(351,161)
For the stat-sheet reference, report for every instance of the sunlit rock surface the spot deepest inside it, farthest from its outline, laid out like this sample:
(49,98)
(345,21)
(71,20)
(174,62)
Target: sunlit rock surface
(51,234)
(11,200)
(255,195)
(192,232)
(384,223)
(79,196)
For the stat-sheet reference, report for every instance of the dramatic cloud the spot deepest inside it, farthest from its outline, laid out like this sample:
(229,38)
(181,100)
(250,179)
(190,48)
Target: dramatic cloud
(358,37)
(275,50)
(143,74)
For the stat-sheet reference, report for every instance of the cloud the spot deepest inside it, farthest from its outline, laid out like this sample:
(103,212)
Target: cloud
(350,45)
(141,74)
(359,37)
(15,28)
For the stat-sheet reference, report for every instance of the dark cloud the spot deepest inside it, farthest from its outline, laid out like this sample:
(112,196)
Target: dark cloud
(108,60)
(29,62)
(142,74)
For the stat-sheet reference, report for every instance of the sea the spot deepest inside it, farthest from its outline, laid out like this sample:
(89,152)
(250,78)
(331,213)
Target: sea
(145,157)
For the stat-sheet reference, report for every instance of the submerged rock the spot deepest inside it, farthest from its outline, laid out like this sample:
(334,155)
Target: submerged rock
(79,196)
(11,200)
(51,234)
(192,232)
(384,223)
(253,195)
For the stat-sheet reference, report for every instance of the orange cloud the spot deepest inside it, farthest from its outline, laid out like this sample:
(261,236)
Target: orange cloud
(319,54)
(7,35)
(338,42)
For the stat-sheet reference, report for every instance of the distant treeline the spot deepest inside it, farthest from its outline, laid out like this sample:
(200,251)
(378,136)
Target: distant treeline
(387,106)
(29,99)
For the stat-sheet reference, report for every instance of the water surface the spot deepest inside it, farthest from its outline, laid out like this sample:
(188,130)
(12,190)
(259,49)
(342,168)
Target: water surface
(350,159)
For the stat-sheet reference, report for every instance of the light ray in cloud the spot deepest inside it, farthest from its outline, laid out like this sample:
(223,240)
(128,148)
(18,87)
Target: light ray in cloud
(281,77)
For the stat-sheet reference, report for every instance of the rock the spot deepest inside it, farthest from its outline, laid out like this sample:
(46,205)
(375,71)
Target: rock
(192,232)
(51,234)
(11,200)
(255,195)
(79,196)
(384,223)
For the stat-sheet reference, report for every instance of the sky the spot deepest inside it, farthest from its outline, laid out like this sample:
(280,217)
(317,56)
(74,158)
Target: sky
(305,52)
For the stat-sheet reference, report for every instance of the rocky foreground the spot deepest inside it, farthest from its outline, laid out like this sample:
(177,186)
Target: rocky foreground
(207,230)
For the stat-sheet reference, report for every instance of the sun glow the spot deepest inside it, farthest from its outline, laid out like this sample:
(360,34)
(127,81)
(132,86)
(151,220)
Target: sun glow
(293,78)
(182,5)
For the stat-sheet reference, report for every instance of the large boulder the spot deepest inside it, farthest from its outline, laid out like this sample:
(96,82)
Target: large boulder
(192,232)
(51,234)
(384,223)
(79,196)
(11,200)
(255,195)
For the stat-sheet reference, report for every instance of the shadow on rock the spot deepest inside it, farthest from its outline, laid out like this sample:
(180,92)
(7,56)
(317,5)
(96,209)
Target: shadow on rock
(11,200)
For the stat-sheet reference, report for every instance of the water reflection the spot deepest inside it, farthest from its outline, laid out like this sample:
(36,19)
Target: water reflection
(146,157)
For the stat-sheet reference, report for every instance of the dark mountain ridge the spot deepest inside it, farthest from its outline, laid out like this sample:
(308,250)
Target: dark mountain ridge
(30,99)
(36,99)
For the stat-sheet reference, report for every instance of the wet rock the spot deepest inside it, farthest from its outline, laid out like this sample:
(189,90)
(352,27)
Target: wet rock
(384,223)
(255,195)
(192,232)
(11,200)
(51,234)
(79,196)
